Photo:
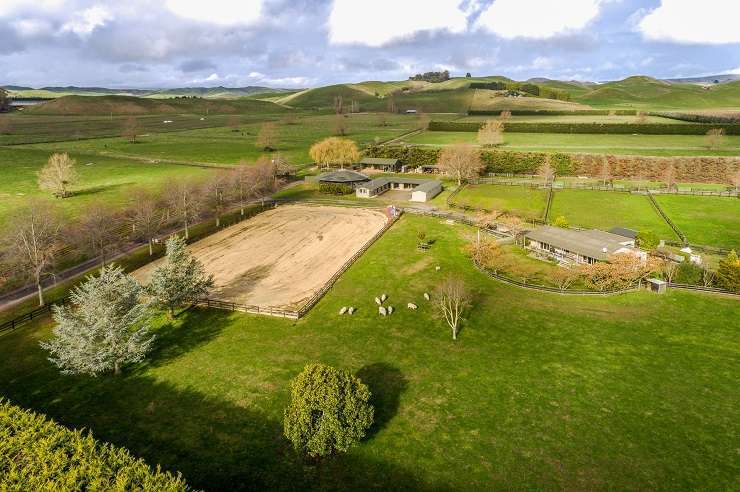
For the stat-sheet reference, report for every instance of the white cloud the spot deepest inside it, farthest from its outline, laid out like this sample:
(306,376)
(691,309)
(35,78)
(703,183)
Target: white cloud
(377,22)
(683,21)
(85,22)
(8,7)
(28,28)
(537,19)
(734,71)
(223,12)
(213,77)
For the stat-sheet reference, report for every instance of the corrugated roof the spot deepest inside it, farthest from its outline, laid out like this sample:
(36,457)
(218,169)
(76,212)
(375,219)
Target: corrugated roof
(592,243)
(430,185)
(342,176)
(623,231)
(384,180)
(378,161)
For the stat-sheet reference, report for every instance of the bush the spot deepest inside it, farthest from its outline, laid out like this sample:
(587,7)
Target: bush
(329,411)
(336,189)
(728,272)
(39,454)
(647,240)
(688,273)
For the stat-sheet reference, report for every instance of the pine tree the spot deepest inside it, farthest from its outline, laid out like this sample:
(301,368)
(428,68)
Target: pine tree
(105,328)
(182,279)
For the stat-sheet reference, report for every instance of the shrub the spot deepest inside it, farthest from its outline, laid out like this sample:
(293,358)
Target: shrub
(561,221)
(728,273)
(39,454)
(329,411)
(688,273)
(336,189)
(647,240)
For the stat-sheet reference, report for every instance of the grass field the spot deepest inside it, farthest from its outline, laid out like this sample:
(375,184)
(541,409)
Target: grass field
(651,145)
(518,200)
(542,391)
(707,220)
(604,210)
(576,118)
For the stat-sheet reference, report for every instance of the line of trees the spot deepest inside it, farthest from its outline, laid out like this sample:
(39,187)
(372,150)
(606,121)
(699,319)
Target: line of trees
(39,240)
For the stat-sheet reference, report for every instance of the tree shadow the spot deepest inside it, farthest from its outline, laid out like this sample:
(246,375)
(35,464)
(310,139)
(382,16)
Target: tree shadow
(386,384)
(94,190)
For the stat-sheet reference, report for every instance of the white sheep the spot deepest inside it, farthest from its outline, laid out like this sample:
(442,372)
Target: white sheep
(383,311)
(426,296)
(412,306)
(438,268)
(351,310)
(383,298)
(390,309)
(378,301)
(343,310)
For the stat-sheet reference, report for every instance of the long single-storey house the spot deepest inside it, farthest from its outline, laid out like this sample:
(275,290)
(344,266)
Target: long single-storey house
(422,190)
(579,246)
(381,164)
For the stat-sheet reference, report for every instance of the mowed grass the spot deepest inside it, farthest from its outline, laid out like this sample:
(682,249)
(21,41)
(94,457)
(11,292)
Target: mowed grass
(650,145)
(604,210)
(706,220)
(542,391)
(102,179)
(518,200)
(225,146)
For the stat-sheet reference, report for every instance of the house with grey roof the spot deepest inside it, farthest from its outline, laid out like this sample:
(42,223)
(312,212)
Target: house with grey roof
(422,190)
(381,164)
(579,246)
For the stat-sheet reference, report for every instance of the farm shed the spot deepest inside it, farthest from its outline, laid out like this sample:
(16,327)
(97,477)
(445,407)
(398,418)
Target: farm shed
(380,164)
(622,231)
(579,246)
(426,191)
(343,176)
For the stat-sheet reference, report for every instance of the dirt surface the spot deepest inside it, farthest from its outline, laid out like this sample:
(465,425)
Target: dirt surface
(281,257)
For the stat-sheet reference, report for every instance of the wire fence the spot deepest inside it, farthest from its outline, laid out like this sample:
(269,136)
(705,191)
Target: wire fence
(667,219)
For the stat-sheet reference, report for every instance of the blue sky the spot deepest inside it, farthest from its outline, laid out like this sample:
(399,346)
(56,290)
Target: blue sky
(303,43)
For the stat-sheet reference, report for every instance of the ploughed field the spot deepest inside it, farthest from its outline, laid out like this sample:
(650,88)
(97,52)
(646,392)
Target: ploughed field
(281,257)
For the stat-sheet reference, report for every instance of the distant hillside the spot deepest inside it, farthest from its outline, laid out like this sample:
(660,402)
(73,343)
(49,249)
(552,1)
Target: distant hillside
(652,93)
(709,79)
(124,105)
(205,92)
(485,100)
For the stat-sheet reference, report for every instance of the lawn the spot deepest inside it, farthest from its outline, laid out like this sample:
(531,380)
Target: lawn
(604,210)
(540,391)
(518,200)
(649,145)
(706,220)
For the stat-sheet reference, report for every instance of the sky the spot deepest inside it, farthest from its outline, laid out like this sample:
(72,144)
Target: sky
(308,43)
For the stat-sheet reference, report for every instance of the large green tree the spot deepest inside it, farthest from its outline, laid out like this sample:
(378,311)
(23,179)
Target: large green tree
(180,280)
(728,272)
(329,411)
(105,327)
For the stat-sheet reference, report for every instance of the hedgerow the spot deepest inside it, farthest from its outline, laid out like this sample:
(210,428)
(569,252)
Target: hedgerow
(593,128)
(39,454)
(550,112)
(336,189)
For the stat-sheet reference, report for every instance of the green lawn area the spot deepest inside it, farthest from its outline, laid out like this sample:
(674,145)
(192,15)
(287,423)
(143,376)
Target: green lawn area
(650,145)
(707,220)
(547,392)
(518,200)
(102,179)
(604,210)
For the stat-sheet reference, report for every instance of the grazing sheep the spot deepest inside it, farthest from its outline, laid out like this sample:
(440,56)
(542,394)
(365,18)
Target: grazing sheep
(383,311)
(390,309)
(412,306)
(343,310)
(383,298)
(351,311)
(426,296)
(438,268)
(378,301)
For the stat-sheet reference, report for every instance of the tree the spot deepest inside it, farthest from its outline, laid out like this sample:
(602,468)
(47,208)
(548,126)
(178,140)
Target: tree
(728,272)
(338,104)
(715,138)
(647,240)
(670,268)
(605,172)
(391,105)
(145,216)
(185,200)
(215,194)
(468,75)
(422,121)
(461,162)
(334,151)
(622,271)
(735,178)
(564,277)
(267,137)
(130,129)
(97,231)
(708,276)
(3,100)
(504,115)
(546,171)
(491,133)
(58,175)
(641,117)
(561,221)
(32,239)
(514,224)
(180,280)
(669,176)
(340,125)
(329,411)
(106,327)
(452,299)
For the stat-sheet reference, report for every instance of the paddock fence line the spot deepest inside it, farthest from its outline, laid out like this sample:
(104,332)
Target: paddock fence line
(39,312)
(247,308)
(451,197)
(701,288)
(548,205)
(456,218)
(667,219)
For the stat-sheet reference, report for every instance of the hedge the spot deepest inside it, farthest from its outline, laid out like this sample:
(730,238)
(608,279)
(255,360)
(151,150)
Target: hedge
(597,128)
(697,118)
(336,189)
(39,454)
(550,112)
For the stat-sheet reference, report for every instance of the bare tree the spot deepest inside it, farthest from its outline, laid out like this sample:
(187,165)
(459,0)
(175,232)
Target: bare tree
(670,268)
(491,133)
(565,277)
(546,171)
(669,176)
(185,200)
(461,162)
(340,125)
(215,194)
(391,105)
(145,215)
(514,224)
(32,238)
(641,117)
(58,175)
(98,231)
(605,173)
(338,104)
(715,138)
(267,137)
(130,129)
(707,276)
(452,299)
(505,115)
(735,178)
(241,182)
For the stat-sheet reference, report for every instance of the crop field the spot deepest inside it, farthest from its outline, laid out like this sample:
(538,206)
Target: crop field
(280,258)
(706,220)
(604,210)
(649,145)
(541,390)
(519,200)
(103,179)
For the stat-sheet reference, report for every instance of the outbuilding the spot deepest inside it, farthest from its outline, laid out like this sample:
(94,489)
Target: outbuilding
(380,164)
(343,177)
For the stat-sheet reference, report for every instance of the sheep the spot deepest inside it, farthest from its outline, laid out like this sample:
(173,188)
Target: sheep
(438,268)
(426,296)
(351,310)
(383,298)
(390,309)
(378,301)
(383,311)
(343,310)
(412,306)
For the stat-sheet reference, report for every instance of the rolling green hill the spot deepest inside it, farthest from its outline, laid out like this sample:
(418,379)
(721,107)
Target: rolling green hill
(124,105)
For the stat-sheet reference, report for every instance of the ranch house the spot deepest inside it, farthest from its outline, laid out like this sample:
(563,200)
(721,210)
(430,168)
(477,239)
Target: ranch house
(579,246)
(422,190)
(379,164)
